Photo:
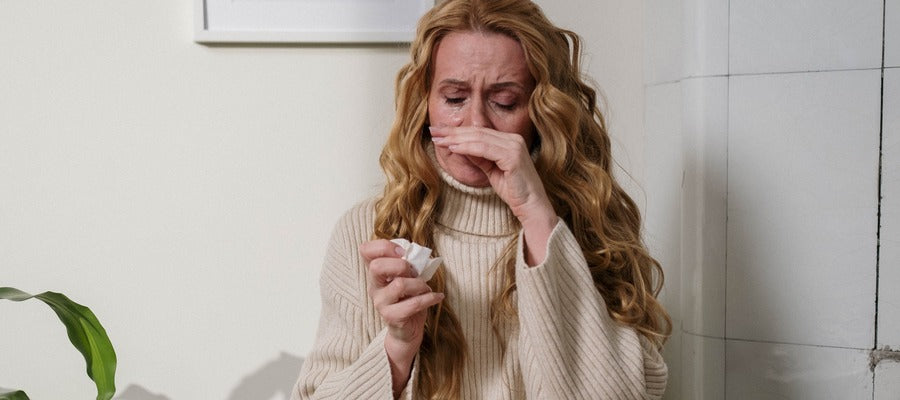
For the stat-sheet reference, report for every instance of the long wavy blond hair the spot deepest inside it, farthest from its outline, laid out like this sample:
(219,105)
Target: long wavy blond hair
(574,163)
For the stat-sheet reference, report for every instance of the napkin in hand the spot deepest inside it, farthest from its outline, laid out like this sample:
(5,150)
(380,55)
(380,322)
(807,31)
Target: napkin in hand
(419,257)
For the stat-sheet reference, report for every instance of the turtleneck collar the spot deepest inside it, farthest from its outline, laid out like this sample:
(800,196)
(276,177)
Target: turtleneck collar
(472,210)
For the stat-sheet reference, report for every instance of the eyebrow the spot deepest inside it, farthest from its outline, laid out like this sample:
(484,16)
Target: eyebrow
(492,87)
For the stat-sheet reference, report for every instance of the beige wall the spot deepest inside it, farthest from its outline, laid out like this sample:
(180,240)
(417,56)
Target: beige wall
(185,193)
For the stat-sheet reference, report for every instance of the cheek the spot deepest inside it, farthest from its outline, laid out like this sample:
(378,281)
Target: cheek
(436,114)
(440,114)
(522,125)
(526,129)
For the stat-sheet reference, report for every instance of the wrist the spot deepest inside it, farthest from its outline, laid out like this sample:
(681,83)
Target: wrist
(400,357)
(537,226)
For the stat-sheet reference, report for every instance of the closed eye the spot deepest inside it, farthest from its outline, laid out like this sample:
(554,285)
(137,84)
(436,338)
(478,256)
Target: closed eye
(507,107)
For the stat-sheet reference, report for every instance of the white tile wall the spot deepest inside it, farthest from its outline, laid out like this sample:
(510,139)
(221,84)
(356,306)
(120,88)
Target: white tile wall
(889,270)
(663,35)
(802,198)
(790,35)
(757,370)
(662,126)
(887,381)
(663,185)
(892,33)
(672,353)
(705,40)
(705,127)
(703,368)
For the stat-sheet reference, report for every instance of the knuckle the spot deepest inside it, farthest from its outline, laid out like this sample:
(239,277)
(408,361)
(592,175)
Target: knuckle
(375,265)
(398,285)
(421,303)
(372,249)
(379,305)
(388,317)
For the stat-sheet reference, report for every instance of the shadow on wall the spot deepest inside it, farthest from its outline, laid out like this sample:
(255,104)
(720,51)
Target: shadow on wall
(135,392)
(274,378)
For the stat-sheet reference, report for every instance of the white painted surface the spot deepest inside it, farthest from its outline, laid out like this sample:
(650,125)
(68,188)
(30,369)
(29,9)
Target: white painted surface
(802,198)
(889,271)
(892,33)
(703,368)
(778,371)
(887,381)
(663,41)
(705,128)
(663,213)
(789,35)
(185,193)
(705,38)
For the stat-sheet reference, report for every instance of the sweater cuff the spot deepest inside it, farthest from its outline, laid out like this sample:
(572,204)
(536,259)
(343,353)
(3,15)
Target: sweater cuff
(521,264)
(369,377)
(407,393)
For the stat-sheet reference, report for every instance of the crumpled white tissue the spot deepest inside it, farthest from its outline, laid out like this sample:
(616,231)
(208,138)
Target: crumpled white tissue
(419,257)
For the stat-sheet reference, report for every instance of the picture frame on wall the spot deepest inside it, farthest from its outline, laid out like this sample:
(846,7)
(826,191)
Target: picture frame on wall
(307,21)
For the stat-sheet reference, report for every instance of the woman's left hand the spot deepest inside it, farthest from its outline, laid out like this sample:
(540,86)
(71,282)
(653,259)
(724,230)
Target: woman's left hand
(505,160)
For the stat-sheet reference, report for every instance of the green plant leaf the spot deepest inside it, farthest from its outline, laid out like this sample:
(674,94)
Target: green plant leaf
(85,332)
(17,395)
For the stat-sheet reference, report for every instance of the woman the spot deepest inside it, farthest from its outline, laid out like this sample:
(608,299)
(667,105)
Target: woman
(498,160)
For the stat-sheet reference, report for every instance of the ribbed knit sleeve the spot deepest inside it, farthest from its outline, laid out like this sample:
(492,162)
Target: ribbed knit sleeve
(348,360)
(569,346)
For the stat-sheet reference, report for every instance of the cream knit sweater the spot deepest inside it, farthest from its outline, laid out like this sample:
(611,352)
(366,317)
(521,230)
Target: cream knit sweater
(566,345)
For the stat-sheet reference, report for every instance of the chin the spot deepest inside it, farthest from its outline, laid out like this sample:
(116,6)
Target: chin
(473,179)
(461,169)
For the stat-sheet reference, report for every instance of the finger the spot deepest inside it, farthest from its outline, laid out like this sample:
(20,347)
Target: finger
(384,270)
(505,154)
(449,131)
(449,134)
(398,290)
(403,310)
(481,142)
(380,248)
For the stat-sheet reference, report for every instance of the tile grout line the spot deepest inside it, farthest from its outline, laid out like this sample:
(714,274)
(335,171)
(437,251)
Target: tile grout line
(815,71)
(880,166)
(821,346)
(880,162)
(753,74)
(727,137)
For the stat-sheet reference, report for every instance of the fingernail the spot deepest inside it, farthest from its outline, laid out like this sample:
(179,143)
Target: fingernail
(399,250)
(453,147)
(437,140)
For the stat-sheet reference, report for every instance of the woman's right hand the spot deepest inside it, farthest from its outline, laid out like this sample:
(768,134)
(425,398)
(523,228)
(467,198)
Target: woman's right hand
(401,298)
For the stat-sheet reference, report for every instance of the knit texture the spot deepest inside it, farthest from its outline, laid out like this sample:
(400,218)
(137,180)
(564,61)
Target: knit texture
(565,345)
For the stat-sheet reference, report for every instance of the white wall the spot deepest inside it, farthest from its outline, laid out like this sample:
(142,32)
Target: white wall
(185,193)
(887,374)
(781,134)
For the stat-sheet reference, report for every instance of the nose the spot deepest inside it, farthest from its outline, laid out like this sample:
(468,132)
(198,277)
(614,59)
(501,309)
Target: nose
(478,114)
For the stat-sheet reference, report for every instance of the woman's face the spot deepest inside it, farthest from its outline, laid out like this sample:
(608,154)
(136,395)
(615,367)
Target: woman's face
(481,80)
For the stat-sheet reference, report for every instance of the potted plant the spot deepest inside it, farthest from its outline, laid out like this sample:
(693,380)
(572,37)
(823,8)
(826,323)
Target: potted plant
(85,332)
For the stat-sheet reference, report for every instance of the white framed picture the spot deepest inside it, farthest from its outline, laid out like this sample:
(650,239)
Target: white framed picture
(307,21)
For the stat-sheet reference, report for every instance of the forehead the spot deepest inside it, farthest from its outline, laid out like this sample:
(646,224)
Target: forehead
(477,56)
